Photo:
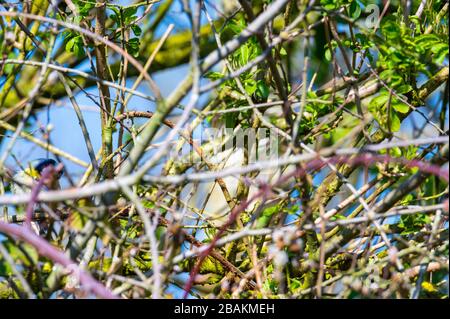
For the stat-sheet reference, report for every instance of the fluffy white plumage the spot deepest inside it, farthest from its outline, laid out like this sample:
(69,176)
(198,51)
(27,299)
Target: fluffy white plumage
(24,180)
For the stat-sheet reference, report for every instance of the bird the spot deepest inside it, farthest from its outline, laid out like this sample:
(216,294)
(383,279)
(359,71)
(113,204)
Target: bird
(209,199)
(24,179)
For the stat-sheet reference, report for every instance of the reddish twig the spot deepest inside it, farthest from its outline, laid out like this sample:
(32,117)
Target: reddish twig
(363,159)
(46,249)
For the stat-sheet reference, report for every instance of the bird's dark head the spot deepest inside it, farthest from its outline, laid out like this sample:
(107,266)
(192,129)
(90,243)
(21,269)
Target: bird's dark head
(41,163)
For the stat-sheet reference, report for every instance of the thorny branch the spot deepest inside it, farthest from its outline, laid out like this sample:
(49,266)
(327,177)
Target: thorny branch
(282,163)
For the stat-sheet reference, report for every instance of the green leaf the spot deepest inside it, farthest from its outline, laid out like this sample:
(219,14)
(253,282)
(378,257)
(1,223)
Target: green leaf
(160,232)
(439,46)
(402,89)
(77,220)
(413,223)
(396,151)
(133,46)
(236,26)
(283,51)
(440,56)
(426,41)
(18,256)
(231,119)
(266,216)
(395,122)
(70,44)
(391,77)
(213,75)
(440,52)
(262,90)
(250,86)
(128,14)
(244,54)
(5,268)
(136,29)
(386,74)
(379,101)
(391,30)
(85,8)
(354,10)
(330,4)
(75,45)
(400,107)
(407,199)
(328,55)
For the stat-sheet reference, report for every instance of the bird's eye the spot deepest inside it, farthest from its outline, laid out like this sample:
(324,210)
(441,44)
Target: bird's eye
(60,173)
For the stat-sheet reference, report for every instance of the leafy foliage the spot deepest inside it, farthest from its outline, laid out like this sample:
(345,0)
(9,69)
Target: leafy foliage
(338,83)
